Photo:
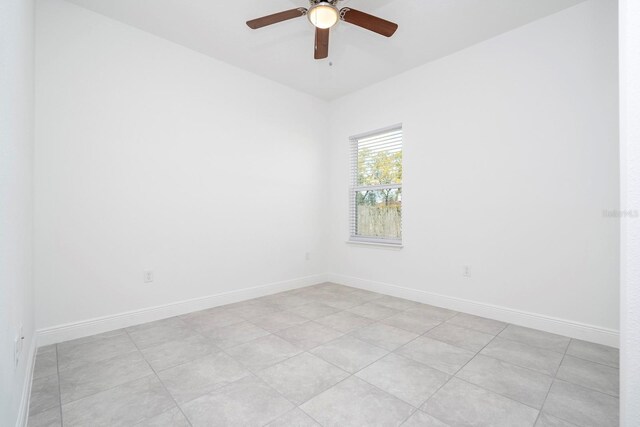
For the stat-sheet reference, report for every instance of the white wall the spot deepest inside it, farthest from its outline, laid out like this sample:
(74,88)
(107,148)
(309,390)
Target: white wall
(510,158)
(630,201)
(152,156)
(16,204)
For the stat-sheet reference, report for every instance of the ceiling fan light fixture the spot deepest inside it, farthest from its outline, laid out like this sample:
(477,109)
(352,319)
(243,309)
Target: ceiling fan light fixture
(323,15)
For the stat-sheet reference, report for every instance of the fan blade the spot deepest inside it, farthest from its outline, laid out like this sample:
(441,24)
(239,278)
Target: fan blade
(276,17)
(322,44)
(369,22)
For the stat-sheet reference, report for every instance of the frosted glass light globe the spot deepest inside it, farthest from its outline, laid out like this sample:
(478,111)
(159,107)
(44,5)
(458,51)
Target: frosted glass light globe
(323,15)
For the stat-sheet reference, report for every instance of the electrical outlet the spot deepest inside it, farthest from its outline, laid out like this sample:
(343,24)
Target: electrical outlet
(307,256)
(18,345)
(466,271)
(148,276)
(16,351)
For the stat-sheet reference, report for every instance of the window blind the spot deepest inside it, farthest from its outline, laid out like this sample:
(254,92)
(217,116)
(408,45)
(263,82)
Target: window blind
(375,192)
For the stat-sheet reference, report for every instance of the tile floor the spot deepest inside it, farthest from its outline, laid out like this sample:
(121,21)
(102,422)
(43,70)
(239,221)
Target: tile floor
(325,355)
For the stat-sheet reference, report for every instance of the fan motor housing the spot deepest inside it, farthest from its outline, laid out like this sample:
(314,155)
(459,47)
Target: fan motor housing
(331,2)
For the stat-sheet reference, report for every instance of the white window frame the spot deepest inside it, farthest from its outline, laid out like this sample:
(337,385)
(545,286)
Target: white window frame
(354,188)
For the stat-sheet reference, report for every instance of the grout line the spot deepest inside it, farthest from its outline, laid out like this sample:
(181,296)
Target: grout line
(251,370)
(386,392)
(555,375)
(279,394)
(296,407)
(573,422)
(515,365)
(336,384)
(97,362)
(59,387)
(251,374)
(375,361)
(363,368)
(449,321)
(308,351)
(533,346)
(456,373)
(159,380)
(222,385)
(197,332)
(108,389)
(522,367)
(310,416)
(181,363)
(561,361)
(501,395)
(318,299)
(410,415)
(591,361)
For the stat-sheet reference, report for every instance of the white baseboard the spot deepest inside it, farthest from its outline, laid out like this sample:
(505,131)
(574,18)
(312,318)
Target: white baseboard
(98,325)
(23,412)
(554,325)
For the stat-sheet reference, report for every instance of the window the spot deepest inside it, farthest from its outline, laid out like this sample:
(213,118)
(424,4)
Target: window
(376,187)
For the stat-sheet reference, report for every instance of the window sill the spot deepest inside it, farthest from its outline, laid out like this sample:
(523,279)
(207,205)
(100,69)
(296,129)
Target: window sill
(379,245)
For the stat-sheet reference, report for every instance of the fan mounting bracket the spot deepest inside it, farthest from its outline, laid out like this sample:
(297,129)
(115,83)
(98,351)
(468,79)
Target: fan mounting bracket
(331,2)
(343,11)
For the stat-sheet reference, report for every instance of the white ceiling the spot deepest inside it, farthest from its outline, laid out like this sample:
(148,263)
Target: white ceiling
(283,52)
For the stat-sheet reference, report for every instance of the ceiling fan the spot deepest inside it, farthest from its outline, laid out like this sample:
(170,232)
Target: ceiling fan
(324,14)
